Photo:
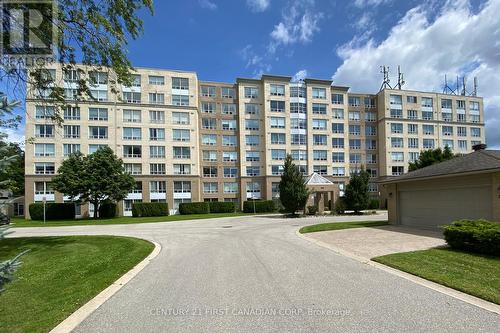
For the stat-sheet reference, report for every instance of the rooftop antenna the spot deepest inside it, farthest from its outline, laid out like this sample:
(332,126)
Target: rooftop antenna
(463,93)
(401,80)
(458,86)
(474,91)
(385,84)
(446,88)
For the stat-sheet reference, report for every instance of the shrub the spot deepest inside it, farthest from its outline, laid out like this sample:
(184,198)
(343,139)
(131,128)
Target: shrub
(374,204)
(187,208)
(221,207)
(140,209)
(479,236)
(53,211)
(261,206)
(340,206)
(312,210)
(107,210)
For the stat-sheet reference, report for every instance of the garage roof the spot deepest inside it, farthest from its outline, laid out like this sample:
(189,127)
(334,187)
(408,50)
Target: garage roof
(477,162)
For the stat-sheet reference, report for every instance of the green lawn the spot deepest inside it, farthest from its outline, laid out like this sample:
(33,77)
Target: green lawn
(474,274)
(60,274)
(340,225)
(21,222)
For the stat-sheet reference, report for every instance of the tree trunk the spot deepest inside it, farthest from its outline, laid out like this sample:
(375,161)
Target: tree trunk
(96,209)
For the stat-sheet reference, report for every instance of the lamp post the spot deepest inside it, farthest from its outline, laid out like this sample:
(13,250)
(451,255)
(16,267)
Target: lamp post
(44,200)
(253,199)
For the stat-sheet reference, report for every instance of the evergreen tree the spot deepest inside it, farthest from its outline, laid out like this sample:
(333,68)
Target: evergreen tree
(293,190)
(356,192)
(430,157)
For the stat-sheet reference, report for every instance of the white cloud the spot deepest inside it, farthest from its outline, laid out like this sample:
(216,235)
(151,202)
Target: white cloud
(455,41)
(15,135)
(367,3)
(258,5)
(300,75)
(207,4)
(254,60)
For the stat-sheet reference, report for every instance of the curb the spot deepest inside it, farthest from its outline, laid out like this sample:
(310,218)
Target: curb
(83,312)
(483,304)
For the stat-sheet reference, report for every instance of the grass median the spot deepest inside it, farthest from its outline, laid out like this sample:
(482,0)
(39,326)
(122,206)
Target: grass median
(21,222)
(474,274)
(340,225)
(60,274)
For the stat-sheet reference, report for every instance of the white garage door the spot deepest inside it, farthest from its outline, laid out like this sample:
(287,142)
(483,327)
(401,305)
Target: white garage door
(432,208)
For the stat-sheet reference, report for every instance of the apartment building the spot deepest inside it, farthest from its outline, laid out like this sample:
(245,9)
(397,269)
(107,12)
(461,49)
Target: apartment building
(188,140)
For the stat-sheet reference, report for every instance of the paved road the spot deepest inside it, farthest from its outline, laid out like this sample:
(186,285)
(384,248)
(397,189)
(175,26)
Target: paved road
(253,274)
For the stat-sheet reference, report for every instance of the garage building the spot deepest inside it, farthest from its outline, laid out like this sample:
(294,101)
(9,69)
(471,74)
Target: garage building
(466,187)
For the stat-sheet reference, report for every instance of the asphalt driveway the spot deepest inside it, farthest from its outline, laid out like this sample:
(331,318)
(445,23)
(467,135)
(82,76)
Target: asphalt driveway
(253,274)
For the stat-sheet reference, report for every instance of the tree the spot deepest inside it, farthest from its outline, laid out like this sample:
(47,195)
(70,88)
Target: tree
(12,173)
(293,190)
(430,157)
(95,178)
(356,193)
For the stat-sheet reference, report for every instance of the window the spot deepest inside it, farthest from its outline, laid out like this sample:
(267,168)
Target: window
(182,169)
(45,168)
(319,140)
(229,140)
(413,156)
(180,83)
(252,156)
(338,171)
(371,158)
(277,170)
(132,168)
(338,157)
(277,122)
(69,149)
(71,94)
(157,151)
(412,128)
(320,169)
(157,168)
(132,133)
(208,91)
(355,158)
(182,152)
(251,92)
(337,99)
(157,117)
(397,170)
(298,91)
(461,117)
(338,128)
(251,125)
(446,104)
(354,101)
(338,113)
(180,118)
(475,132)
(158,186)
(209,123)
(448,143)
(71,75)
(253,187)
(229,109)
(475,118)
(277,106)
(355,144)
(277,90)
(44,112)
(412,143)
(397,142)
(230,187)
(462,144)
(319,124)
(278,138)
(474,106)
(156,98)
(427,115)
(132,151)
(253,171)
(371,144)
(370,116)
(278,154)
(94,148)
(131,116)
(182,187)
(428,129)
(411,99)
(70,113)
(299,155)
(428,143)
(208,107)
(396,113)
(461,104)
(209,139)
(369,102)
(156,80)
(229,156)
(180,100)
(338,143)
(354,129)
(370,130)
(461,131)
(412,114)
(474,142)
(183,135)
(43,188)
(319,93)
(210,172)
(210,188)
(228,125)
(319,108)
(99,95)
(447,130)
(136,80)
(132,97)
(210,155)
(251,108)
(396,128)
(98,132)
(354,115)
(98,114)
(395,99)
(298,139)
(44,131)
(426,102)
(298,108)
(446,116)
(71,131)
(230,172)
(298,123)
(319,155)
(227,92)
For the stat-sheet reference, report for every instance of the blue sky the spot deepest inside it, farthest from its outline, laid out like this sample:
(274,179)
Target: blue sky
(346,41)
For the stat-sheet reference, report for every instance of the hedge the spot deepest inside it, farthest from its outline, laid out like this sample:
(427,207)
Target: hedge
(261,206)
(141,209)
(107,210)
(479,236)
(186,208)
(312,210)
(221,207)
(53,211)
(374,204)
